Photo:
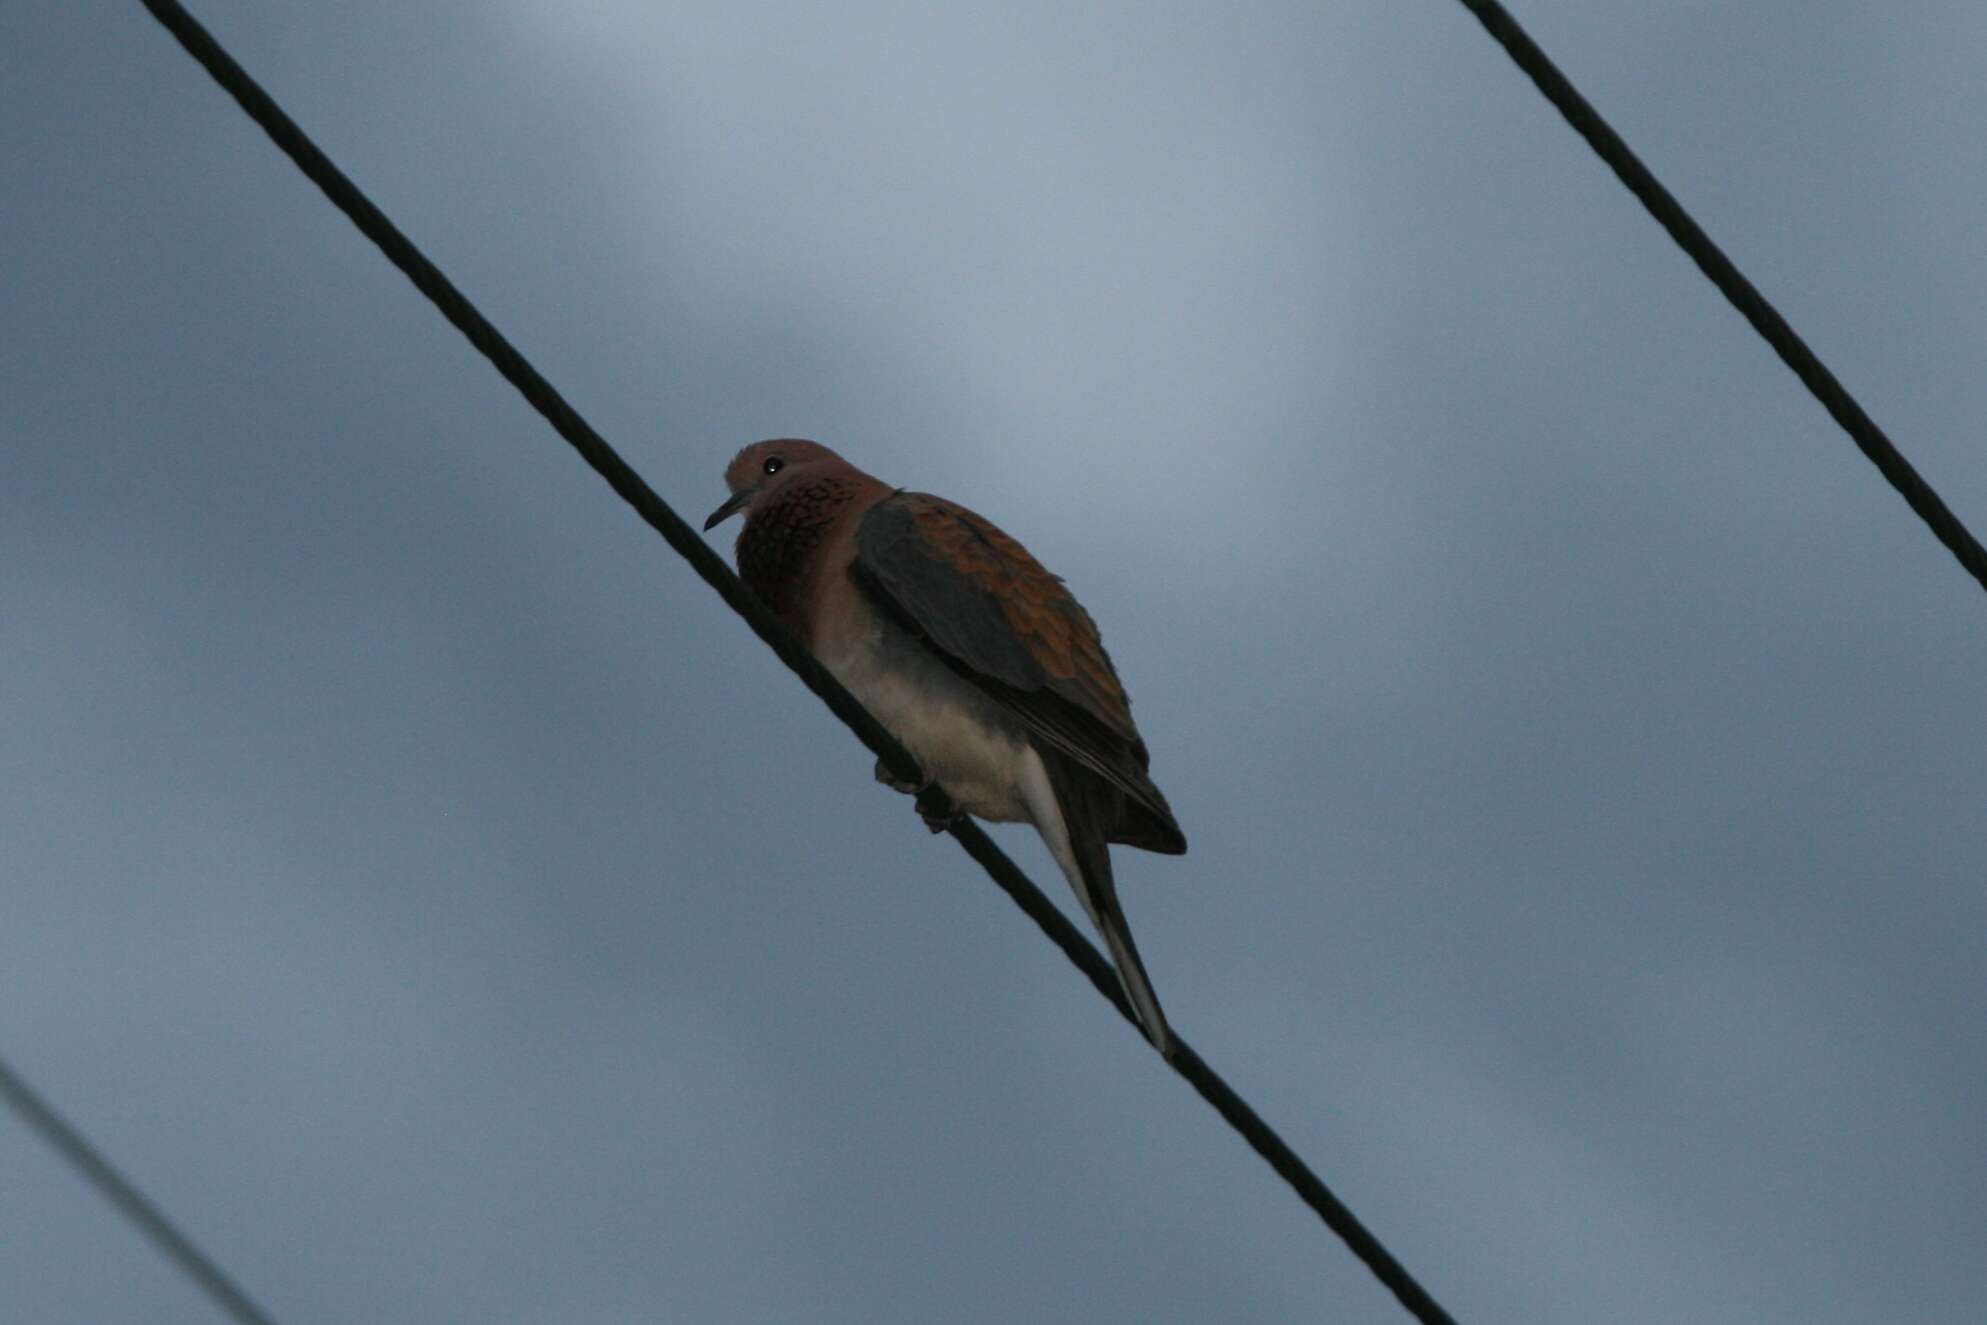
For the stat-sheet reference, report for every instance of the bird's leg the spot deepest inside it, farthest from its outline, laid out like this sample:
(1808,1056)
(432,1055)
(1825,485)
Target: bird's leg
(895,783)
(930,796)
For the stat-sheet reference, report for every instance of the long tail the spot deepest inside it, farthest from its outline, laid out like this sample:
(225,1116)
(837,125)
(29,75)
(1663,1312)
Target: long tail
(1109,917)
(1074,833)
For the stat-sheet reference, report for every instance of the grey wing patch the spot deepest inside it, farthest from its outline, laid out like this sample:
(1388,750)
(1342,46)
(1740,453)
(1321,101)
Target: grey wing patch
(934,568)
(958,615)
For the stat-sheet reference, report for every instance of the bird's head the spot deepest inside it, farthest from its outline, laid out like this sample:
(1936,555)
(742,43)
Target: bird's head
(766,467)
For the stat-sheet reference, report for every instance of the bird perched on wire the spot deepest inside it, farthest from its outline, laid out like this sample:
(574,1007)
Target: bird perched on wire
(971,654)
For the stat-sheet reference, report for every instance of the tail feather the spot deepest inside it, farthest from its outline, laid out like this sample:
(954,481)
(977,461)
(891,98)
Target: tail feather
(1109,918)
(1073,824)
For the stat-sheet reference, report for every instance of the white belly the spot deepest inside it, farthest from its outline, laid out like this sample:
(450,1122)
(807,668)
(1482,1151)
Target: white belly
(974,748)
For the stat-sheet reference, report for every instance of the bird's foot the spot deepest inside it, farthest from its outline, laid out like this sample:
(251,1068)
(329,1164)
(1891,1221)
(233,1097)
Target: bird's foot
(934,806)
(895,783)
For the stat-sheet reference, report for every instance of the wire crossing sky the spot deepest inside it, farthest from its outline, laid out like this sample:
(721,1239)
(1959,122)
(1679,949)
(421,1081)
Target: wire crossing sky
(1581,764)
(153,1222)
(1765,319)
(602,458)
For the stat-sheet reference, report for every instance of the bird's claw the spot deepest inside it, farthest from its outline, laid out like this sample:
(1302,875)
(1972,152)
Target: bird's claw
(895,783)
(934,806)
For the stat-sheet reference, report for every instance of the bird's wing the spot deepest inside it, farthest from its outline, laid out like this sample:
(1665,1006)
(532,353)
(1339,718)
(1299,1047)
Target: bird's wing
(1009,626)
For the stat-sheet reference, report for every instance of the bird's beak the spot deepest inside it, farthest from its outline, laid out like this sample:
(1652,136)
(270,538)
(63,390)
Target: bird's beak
(732,506)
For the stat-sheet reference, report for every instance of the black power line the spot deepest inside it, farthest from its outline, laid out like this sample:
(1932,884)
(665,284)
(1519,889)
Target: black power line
(592,448)
(1765,318)
(115,1188)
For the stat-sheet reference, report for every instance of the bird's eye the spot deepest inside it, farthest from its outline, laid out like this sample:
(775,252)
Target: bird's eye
(774,464)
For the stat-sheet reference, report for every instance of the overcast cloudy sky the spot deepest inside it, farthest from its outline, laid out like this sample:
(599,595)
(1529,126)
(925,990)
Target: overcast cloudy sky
(429,891)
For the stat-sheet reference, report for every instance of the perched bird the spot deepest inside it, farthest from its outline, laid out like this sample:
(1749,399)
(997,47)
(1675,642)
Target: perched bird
(971,654)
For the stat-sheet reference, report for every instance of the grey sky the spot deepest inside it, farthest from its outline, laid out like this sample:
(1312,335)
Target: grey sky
(426,889)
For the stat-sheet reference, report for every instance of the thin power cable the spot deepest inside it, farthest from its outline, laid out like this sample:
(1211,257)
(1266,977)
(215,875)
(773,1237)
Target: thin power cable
(66,1141)
(400,251)
(1711,260)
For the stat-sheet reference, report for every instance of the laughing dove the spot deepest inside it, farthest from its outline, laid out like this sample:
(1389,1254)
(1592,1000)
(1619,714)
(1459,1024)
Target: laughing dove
(971,654)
